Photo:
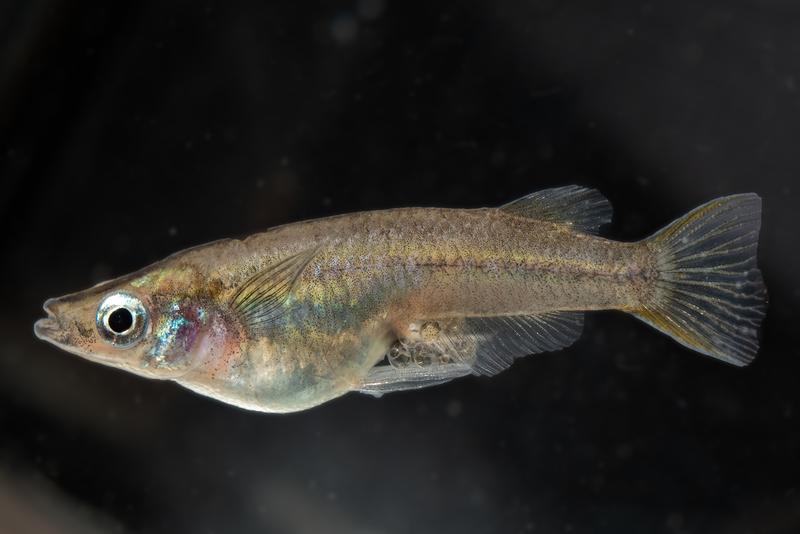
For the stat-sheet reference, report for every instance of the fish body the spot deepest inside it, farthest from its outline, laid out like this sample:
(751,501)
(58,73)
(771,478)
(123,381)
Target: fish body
(407,298)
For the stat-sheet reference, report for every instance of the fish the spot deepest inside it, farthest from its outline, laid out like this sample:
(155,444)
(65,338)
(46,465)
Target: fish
(408,298)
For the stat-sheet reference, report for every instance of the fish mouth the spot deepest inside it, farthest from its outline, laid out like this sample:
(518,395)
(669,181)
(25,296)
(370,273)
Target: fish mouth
(47,329)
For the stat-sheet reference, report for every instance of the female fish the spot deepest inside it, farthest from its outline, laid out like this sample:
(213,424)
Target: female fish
(408,298)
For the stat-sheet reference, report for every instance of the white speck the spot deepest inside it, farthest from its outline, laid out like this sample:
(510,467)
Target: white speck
(370,9)
(344,29)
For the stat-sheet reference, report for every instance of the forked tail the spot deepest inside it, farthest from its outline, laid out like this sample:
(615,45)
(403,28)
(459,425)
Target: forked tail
(708,293)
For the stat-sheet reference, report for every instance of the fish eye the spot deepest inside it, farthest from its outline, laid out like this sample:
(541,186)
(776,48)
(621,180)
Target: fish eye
(122,319)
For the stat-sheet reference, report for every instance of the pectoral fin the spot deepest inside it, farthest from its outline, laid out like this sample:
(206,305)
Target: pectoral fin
(262,298)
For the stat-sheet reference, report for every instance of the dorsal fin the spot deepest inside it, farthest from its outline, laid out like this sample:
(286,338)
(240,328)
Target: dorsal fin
(582,208)
(260,300)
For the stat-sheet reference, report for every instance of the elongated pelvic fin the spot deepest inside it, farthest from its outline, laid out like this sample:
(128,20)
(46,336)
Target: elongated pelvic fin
(709,294)
(261,298)
(387,379)
(582,208)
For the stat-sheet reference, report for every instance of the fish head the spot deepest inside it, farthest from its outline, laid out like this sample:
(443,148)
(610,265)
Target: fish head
(159,322)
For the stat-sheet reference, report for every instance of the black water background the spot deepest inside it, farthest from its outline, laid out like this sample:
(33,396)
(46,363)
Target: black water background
(128,132)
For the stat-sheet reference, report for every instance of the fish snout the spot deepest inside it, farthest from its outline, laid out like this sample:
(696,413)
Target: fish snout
(47,328)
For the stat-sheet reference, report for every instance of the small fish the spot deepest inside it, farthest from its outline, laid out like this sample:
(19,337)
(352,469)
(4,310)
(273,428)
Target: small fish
(403,299)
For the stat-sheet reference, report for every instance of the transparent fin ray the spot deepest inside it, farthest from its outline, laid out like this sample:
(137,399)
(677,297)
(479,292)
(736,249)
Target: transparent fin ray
(387,378)
(501,340)
(486,345)
(260,299)
(582,208)
(709,295)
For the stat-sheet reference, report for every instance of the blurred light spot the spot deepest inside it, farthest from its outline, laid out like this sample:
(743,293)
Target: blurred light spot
(454,408)
(344,28)
(370,9)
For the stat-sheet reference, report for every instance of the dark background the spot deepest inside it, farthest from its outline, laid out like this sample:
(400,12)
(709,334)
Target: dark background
(132,130)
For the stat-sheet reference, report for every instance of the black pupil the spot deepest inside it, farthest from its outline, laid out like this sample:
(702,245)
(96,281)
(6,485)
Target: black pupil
(120,320)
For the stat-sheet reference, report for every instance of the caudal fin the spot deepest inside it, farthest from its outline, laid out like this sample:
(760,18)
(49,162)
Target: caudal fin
(709,294)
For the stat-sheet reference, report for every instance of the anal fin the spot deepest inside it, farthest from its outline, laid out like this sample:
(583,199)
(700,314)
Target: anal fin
(500,340)
(435,351)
